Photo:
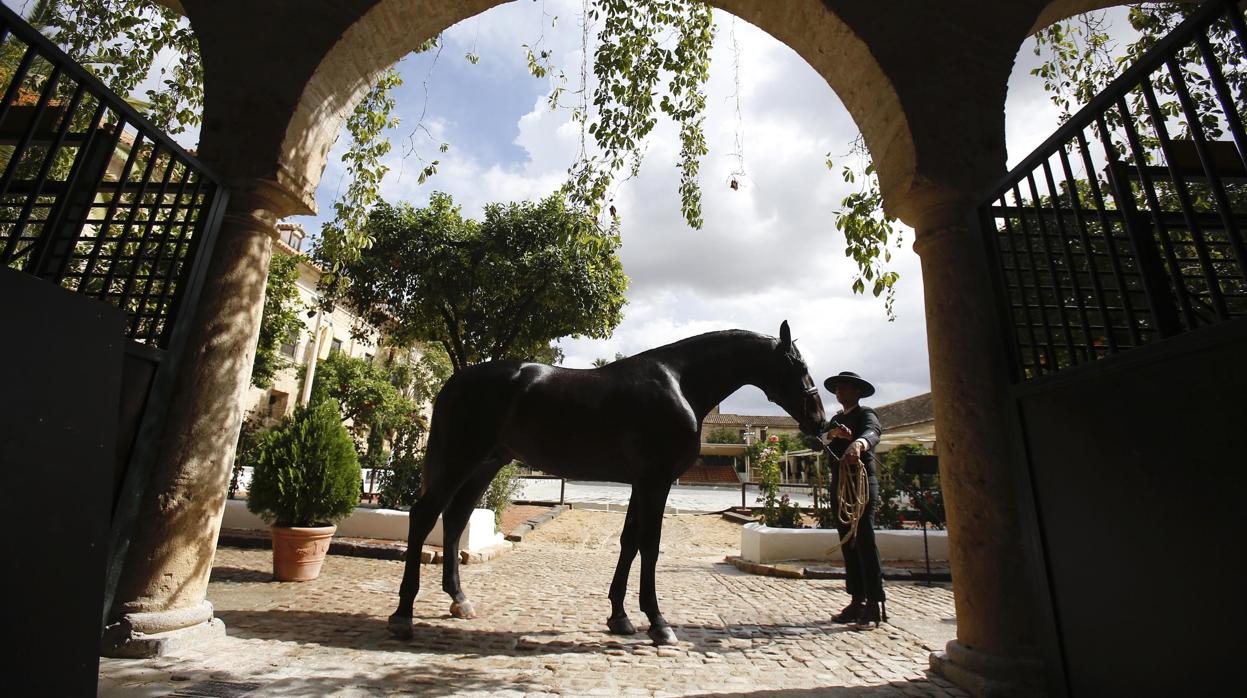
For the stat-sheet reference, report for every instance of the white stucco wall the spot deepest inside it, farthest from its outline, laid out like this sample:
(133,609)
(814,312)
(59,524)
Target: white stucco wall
(758,543)
(385,524)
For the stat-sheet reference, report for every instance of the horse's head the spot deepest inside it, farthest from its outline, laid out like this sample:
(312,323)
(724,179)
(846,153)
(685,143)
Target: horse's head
(788,384)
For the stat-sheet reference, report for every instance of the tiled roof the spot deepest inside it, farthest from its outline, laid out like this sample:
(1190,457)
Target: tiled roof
(914,410)
(757,420)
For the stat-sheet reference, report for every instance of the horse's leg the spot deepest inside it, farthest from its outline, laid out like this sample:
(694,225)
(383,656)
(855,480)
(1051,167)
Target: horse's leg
(453,523)
(618,623)
(649,523)
(420,521)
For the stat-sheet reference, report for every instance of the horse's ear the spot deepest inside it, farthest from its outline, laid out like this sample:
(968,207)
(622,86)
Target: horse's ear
(785,336)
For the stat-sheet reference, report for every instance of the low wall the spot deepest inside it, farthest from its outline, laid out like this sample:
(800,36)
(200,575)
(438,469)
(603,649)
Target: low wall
(385,524)
(758,543)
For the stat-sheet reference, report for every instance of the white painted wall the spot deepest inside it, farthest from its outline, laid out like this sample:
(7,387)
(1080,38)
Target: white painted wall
(385,524)
(758,543)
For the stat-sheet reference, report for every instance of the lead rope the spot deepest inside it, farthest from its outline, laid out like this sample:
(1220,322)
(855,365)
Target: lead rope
(852,497)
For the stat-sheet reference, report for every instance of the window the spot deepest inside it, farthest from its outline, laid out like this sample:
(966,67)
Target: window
(287,348)
(336,347)
(368,358)
(277,403)
(293,235)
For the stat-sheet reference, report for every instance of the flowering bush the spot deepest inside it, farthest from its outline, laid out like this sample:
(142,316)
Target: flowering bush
(778,511)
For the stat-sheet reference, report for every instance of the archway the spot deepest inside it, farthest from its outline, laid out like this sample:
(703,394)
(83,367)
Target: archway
(935,128)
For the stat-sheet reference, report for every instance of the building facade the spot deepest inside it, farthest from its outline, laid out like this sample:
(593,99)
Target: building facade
(337,330)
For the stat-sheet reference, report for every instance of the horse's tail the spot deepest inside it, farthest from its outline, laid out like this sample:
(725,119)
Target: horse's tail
(433,449)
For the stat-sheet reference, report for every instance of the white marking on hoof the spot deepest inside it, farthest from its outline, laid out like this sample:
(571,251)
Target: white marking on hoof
(662,635)
(462,610)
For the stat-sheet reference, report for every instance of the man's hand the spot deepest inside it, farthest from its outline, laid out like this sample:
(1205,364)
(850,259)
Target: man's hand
(853,454)
(840,432)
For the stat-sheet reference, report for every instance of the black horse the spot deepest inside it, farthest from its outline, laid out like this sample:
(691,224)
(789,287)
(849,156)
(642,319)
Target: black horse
(636,421)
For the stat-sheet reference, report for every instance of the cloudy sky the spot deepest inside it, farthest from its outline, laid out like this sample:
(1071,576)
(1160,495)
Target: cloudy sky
(768,251)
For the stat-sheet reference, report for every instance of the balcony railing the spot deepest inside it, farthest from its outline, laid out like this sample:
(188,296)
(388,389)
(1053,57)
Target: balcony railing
(93,197)
(1121,230)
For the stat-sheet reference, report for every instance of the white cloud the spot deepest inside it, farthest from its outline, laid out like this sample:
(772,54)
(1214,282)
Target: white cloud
(768,252)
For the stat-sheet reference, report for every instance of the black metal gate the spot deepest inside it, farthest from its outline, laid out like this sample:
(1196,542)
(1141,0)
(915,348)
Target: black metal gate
(1121,276)
(98,202)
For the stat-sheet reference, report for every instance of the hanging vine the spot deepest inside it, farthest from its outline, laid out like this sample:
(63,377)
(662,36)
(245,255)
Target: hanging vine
(343,237)
(629,64)
(869,232)
(739,153)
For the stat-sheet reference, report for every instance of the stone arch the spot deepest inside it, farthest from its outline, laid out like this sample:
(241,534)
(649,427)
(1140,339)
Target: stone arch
(391,28)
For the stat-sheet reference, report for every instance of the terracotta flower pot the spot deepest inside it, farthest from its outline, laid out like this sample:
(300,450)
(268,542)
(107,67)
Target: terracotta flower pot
(299,552)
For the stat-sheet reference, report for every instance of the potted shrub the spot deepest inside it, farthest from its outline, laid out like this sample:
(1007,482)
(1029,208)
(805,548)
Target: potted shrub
(306,479)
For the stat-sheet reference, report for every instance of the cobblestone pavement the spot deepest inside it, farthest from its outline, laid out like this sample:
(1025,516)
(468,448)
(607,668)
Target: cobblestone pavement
(542,630)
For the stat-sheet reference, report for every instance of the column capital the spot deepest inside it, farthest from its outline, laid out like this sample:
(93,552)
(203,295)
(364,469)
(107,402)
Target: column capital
(930,205)
(259,204)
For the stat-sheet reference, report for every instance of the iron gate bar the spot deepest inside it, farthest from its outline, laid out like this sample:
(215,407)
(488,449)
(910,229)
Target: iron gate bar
(1017,266)
(170,220)
(1005,311)
(97,253)
(1067,255)
(10,97)
(1223,96)
(1143,246)
(19,76)
(1088,251)
(1057,295)
(1147,262)
(1129,78)
(1173,269)
(19,152)
(55,220)
(1240,29)
(1046,357)
(106,225)
(49,158)
(1196,126)
(1110,247)
(1185,202)
(128,229)
(145,237)
(1209,221)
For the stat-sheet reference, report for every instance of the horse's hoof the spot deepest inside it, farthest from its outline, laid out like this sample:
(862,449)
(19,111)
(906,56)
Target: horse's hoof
(662,635)
(462,610)
(399,627)
(620,626)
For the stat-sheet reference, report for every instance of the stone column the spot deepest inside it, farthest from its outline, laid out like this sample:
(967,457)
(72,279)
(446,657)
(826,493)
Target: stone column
(995,651)
(161,596)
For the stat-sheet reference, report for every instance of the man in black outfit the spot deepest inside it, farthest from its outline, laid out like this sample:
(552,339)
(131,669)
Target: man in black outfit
(853,433)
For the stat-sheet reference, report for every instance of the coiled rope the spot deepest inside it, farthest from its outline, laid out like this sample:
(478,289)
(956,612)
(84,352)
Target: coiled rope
(852,497)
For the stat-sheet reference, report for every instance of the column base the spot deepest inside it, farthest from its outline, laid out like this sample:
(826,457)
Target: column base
(987,675)
(155,634)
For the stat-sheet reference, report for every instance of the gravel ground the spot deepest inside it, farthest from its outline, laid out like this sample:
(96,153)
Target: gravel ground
(696,535)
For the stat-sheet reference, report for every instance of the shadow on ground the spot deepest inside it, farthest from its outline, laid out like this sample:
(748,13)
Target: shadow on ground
(438,681)
(365,632)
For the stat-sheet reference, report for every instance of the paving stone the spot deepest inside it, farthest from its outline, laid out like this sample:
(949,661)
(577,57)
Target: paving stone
(542,631)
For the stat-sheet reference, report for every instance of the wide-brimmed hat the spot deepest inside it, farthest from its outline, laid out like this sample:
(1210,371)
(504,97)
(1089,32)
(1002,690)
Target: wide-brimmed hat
(852,379)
